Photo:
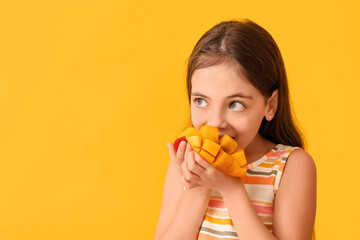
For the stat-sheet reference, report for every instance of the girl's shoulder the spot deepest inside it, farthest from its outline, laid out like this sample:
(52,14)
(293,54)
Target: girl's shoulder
(300,166)
(300,154)
(302,160)
(296,157)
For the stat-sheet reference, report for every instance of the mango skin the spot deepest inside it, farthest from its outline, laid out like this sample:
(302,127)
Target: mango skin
(221,153)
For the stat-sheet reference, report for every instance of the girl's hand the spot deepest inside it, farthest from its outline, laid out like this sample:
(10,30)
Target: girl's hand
(181,159)
(200,172)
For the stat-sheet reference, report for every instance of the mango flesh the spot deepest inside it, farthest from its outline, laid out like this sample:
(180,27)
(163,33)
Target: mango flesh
(239,156)
(223,160)
(228,144)
(190,131)
(222,154)
(211,147)
(207,156)
(195,141)
(208,132)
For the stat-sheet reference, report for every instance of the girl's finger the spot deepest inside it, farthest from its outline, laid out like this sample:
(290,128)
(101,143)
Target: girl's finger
(189,176)
(202,162)
(177,156)
(183,168)
(172,154)
(193,166)
(180,151)
(187,184)
(170,146)
(187,149)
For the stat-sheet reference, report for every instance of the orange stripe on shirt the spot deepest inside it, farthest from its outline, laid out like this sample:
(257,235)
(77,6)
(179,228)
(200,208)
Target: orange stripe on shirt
(281,167)
(258,180)
(216,197)
(218,220)
(269,165)
(262,202)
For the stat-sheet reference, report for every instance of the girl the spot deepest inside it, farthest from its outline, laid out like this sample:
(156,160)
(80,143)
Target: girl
(236,81)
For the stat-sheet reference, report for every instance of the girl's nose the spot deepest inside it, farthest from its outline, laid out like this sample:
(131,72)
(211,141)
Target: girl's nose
(217,119)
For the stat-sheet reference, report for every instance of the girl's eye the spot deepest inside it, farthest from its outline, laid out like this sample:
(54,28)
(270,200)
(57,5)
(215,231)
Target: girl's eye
(241,106)
(197,100)
(238,105)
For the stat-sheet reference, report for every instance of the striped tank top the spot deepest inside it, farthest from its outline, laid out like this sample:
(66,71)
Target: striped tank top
(261,181)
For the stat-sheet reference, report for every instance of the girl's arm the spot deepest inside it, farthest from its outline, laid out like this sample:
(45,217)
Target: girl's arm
(246,221)
(182,211)
(295,202)
(294,205)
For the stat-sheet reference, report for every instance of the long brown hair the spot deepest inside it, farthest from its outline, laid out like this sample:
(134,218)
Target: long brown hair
(254,53)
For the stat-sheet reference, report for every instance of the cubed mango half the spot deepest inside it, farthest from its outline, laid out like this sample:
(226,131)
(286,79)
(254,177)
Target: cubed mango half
(222,154)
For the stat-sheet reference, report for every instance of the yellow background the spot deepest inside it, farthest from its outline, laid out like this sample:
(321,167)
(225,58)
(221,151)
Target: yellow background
(91,91)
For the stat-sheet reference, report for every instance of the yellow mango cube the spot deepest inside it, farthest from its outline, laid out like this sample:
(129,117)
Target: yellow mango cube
(194,141)
(207,156)
(190,131)
(239,156)
(228,144)
(208,132)
(236,171)
(211,147)
(223,160)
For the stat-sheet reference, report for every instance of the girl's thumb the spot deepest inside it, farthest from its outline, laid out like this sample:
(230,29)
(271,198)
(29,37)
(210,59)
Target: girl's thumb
(168,144)
(170,148)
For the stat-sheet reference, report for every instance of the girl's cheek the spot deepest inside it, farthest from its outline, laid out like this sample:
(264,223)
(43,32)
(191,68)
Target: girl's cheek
(250,126)
(244,128)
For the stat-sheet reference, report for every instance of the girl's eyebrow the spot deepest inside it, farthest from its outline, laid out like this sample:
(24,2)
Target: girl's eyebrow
(240,95)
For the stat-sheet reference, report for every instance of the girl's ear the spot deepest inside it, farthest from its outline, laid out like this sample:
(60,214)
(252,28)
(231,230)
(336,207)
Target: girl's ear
(271,105)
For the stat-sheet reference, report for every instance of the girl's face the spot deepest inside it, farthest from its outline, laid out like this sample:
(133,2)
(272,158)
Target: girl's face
(222,99)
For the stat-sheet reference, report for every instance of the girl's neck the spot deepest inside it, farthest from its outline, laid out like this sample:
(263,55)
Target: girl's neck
(258,148)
